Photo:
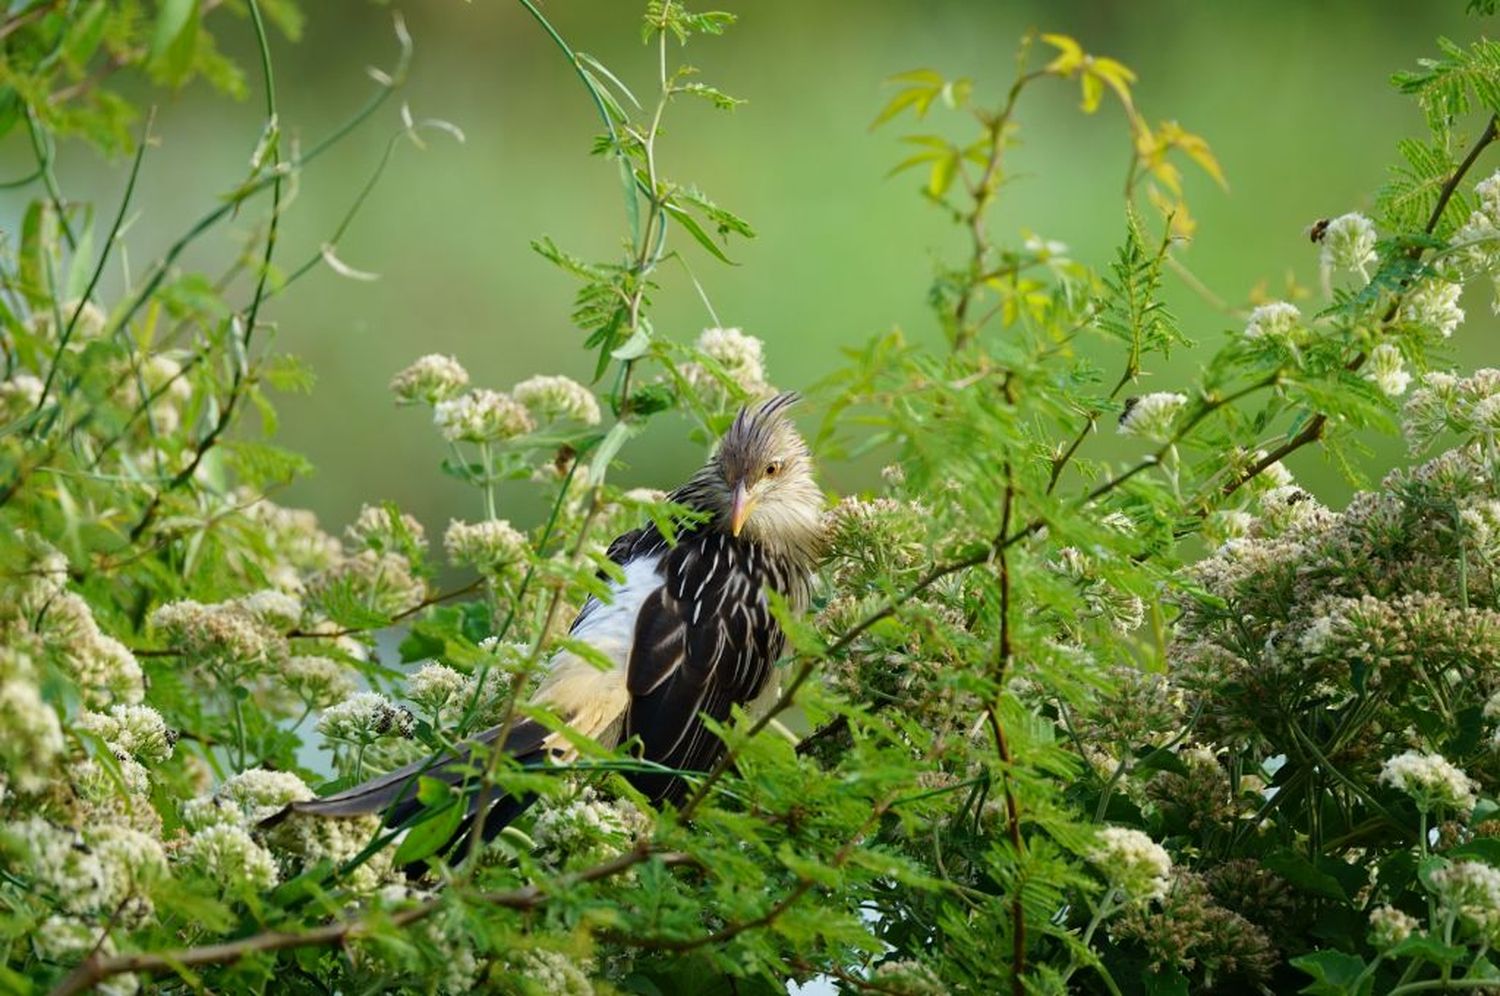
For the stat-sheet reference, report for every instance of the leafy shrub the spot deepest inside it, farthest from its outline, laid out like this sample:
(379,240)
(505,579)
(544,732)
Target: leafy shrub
(1046,749)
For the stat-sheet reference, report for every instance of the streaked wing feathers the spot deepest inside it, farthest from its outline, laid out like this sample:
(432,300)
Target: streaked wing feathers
(705,641)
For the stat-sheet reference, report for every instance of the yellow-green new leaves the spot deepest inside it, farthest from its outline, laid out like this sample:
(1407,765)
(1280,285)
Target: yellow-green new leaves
(1095,72)
(922,87)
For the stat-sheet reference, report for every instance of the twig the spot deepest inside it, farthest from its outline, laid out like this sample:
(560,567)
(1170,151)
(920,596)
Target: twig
(96,969)
(1313,431)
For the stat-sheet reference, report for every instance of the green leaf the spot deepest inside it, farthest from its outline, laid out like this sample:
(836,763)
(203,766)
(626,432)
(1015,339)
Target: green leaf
(693,229)
(175,40)
(1426,948)
(1486,849)
(436,827)
(1300,872)
(1169,982)
(1334,972)
(608,447)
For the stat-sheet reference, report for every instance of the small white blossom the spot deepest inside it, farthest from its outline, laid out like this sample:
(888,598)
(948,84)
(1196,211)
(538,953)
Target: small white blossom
(1472,889)
(1132,862)
(1349,244)
(1389,927)
(227,633)
(1388,369)
(1151,415)
(382,581)
(485,545)
(1315,638)
(380,528)
(740,357)
(273,608)
(246,799)
(434,687)
(1433,304)
(363,718)
(1278,320)
(230,856)
(549,398)
(19,396)
(317,680)
(551,972)
(584,822)
(137,730)
(1430,780)
(429,380)
(482,416)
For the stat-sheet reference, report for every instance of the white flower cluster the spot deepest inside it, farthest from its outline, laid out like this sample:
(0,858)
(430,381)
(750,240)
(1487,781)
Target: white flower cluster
(1433,305)
(1469,406)
(482,416)
(1389,927)
(486,546)
(382,582)
(555,397)
(384,529)
(1478,239)
(1472,889)
(89,324)
(363,718)
(104,869)
(1132,862)
(19,396)
(227,839)
(293,533)
(1349,244)
(316,680)
(1277,321)
(162,378)
(33,742)
(1430,780)
(1151,416)
(1387,369)
(551,972)
(439,691)
(134,730)
(581,824)
(737,356)
(246,799)
(240,633)
(229,856)
(40,616)
(431,379)
(1289,508)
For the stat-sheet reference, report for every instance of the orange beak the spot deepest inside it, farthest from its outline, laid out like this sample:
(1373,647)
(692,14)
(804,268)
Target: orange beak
(739,508)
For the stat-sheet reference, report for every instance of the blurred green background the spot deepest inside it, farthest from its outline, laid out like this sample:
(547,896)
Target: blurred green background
(1293,96)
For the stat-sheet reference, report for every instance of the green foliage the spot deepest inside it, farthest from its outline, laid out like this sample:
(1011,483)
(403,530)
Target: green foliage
(1051,746)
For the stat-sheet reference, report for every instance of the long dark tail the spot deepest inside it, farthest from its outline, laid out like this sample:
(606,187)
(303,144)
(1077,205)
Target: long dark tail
(393,796)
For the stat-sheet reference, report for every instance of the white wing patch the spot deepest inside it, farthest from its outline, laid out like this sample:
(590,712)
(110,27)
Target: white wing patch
(594,701)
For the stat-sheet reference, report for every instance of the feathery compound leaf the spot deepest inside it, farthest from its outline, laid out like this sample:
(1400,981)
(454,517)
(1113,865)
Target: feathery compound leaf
(1445,86)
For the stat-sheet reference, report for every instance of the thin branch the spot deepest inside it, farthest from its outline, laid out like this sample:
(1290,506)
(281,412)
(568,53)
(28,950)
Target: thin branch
(1313,431)
(96,969)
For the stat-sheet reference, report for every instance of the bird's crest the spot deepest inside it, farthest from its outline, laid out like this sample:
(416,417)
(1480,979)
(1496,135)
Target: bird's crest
(756,428)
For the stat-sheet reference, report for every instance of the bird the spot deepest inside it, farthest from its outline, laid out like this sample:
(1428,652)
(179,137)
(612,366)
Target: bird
(686,624)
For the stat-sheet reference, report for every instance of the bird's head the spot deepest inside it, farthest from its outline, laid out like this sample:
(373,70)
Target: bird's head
(765,481)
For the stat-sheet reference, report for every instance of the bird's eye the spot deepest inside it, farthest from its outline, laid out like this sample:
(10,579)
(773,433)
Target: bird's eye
(772,469)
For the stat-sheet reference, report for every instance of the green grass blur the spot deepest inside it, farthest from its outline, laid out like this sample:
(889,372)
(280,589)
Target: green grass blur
(1292,96)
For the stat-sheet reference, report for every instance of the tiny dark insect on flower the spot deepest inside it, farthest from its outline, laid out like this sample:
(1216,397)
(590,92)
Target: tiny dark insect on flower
(1130,403)
(1317,229)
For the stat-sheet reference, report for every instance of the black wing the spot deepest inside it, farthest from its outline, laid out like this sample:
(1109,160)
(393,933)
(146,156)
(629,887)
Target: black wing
(705,641)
